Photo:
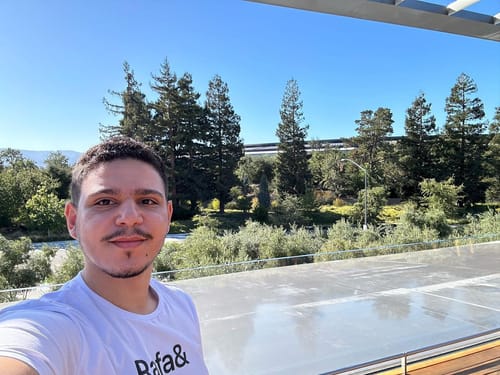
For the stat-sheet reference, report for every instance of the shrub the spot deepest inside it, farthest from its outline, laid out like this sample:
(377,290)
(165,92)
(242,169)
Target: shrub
(485,223)
(288,211)
(72,264)
(214,204)
(340,236)
(260,214)
(21,266)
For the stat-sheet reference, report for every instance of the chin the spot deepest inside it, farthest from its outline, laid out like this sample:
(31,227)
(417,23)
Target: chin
(126,274)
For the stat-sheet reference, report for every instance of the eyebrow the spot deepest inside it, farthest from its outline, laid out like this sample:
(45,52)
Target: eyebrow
(115,192)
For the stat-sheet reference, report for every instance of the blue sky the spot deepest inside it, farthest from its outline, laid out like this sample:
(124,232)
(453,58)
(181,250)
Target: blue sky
(59,58)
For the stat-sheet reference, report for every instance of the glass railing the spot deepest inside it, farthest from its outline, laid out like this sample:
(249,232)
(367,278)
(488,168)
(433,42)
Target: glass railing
(399,363)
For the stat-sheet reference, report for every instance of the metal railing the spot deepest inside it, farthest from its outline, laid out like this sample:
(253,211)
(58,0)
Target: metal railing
(401,360)
(254,264)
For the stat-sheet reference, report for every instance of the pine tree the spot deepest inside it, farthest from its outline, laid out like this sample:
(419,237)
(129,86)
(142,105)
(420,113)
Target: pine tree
(373,128)
(417,147)
(225,144)
(263,196)
(292,170)
(463,139)
(134,111)
(166,122)
(371,148)
(492,160)
(191,166)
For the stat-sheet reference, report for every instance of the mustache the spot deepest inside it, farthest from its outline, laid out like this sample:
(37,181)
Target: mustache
(127,233)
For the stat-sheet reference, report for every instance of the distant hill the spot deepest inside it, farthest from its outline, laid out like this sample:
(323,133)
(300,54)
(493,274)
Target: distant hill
(39,157)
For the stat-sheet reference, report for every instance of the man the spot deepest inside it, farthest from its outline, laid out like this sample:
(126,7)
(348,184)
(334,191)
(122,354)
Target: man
(112,318)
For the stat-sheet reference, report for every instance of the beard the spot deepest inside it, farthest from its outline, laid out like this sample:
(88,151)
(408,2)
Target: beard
(126,274)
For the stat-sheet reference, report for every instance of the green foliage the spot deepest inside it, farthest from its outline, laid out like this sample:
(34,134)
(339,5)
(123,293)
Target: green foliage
(21,266)
(261,214)
(441,195)
(203,247)
(407,233)
(390,214)
(377,198)
(292,170)
(134,111)
(251,168)
(243,203)
(425,219)
(263,196)
(58,169)
(492,161)
(417,150)
(372,151)
(210,251)
(70,267)
(44,211)
(326,172)
(487,223)
(214,204)
(207,221)
(463,143)
(166,259)
(226,146)
(289,211)
(19,181)
(340,236)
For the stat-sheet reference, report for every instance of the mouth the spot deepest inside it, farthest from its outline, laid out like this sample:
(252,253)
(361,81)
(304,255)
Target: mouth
(127,242)
(127,239)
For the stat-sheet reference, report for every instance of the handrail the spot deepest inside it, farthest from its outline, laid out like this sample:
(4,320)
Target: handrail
(492,236)
(404,355)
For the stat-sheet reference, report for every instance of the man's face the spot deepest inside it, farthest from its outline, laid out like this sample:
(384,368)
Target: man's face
(122,218)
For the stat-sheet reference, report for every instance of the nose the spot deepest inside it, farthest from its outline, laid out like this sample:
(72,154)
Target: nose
(129,214)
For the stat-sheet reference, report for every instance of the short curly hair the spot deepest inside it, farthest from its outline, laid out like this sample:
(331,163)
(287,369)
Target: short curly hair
(113,149)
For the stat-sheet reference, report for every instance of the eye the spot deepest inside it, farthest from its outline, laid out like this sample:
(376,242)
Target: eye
(104,202)
(148,201)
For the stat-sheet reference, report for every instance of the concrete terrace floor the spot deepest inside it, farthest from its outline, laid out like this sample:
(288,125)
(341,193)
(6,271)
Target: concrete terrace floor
(315,318)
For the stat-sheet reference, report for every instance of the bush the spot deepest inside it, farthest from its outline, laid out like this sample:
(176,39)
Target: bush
(21,266)
(166,259)
(484,224)
(260,214)
(214,204)
(405,233)
(72,264)
(288,211)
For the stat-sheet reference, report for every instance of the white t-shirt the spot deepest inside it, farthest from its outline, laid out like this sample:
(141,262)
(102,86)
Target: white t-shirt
(75,331)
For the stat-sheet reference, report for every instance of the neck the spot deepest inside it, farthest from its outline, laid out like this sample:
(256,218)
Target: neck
(131,294)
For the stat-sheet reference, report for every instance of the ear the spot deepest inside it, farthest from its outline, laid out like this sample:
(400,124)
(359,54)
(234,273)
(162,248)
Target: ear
(170,210)
(70,211)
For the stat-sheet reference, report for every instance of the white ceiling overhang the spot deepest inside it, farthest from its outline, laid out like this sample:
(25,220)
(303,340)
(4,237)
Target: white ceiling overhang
(451,18)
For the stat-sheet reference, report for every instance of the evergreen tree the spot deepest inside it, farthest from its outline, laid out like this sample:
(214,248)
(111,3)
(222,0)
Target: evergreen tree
(463,139)
(371,148)
(192,173)
(492,160)
(165,119)
(417,147)
(292,170)
(226,146)
(134,111)
(263,196)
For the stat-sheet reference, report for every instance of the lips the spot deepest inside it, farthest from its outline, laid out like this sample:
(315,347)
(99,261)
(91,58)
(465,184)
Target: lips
(128,242)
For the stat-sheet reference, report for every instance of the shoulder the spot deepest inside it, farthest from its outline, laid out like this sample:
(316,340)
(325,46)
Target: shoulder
(174,297)
(40,317)
(40,334)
